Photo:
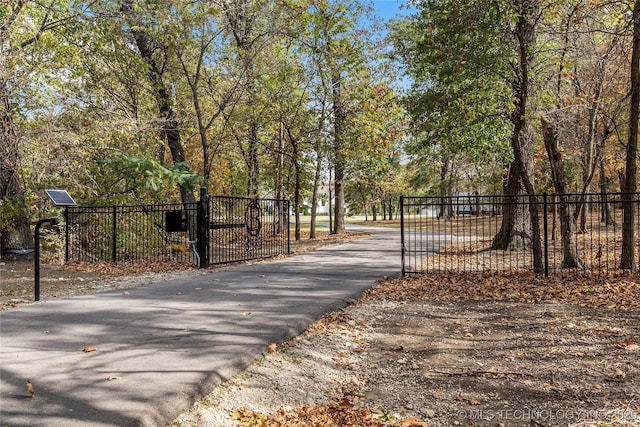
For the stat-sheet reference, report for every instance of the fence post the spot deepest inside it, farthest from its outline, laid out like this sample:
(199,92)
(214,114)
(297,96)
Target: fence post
(114,235)
(402,270)
(66,234)
(546,236)
(202,243)
(288,227)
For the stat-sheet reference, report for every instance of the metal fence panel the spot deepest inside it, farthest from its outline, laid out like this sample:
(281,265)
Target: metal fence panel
(243,228)
(460,233)
(128,233)
(239,229)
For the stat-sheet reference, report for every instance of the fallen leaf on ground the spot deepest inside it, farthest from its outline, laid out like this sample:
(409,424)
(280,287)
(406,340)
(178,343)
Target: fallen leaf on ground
(618,374)
(90,348)
(629,345)
(413,422)
(608,291)
(470,400)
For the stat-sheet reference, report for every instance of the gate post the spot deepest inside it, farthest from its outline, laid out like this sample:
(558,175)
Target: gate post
(546,236)
(202,243)
(402,252)
(114,235)
(66,234)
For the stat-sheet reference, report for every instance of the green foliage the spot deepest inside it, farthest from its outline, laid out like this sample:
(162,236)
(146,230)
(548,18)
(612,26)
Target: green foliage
(153,175)
(10,208)
(458,58)
(88,111)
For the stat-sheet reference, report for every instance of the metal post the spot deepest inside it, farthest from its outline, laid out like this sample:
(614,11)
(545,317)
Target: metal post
(288,228)
(546,236)
(114,234)
(402,269)
(66,234)
(202,243)
(52,221)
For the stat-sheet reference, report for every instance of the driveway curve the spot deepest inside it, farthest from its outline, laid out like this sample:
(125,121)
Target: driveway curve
(160,347)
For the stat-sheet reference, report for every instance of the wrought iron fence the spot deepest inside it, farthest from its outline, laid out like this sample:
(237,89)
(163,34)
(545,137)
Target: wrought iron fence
(129,233)
(212,231)
(493,233)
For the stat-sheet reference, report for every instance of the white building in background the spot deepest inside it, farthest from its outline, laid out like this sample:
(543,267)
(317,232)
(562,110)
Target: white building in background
(326,201)
(322,205)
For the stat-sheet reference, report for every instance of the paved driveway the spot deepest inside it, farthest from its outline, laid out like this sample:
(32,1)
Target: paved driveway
(162,346)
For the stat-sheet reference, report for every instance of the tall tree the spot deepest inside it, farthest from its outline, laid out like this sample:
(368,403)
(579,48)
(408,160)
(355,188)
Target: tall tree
(570,256)
(473,64)
(627,259)
(339,51)
(199,50)
(155,54)
(527,12)
(246,21)
(23,23)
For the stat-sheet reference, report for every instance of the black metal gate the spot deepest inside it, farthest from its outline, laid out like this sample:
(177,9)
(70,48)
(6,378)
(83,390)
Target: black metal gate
(242,228)
(215,230)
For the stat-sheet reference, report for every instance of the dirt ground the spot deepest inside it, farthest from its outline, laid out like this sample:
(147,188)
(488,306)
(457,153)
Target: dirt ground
(401,356)
(437,350)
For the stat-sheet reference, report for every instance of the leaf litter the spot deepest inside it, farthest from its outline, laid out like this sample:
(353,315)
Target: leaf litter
(451,349)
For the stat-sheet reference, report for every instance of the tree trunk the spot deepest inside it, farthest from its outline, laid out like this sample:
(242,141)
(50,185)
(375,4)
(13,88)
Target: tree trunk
(147,45)
(240,16)
(522,136)
(445,208)
(606,215)
(253,162)
(515,230)
(296,191)
(314,196)
(627,259)
(571,259)
(331,229)
(279,183)
(17,234)
(339,155)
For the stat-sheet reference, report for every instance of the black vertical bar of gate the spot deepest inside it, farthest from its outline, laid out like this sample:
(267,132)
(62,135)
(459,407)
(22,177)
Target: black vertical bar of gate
(546,235)
(402,254)
(66,234)
(202,238)
(114,234)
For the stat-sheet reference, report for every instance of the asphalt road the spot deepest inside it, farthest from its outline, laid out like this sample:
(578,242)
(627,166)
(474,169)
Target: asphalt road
(160,347)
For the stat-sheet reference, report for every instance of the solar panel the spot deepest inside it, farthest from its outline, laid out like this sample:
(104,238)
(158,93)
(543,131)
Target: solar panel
(60,197)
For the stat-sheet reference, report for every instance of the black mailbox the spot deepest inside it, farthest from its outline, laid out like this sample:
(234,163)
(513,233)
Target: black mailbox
(176,221)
